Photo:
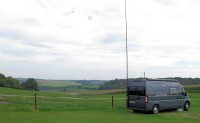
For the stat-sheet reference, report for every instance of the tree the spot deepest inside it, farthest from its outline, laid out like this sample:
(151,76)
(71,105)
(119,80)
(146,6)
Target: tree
(13,83)
(8,82)
(3,83)
(30,84)
(2,76)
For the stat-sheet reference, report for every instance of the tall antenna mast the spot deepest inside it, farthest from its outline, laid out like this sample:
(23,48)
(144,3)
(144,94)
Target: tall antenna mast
(126,56)
(126,44)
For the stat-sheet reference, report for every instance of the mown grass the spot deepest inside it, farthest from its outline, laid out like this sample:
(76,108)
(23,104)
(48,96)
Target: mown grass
(64,108)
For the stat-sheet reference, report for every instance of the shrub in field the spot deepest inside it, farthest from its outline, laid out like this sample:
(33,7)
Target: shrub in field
(30,84)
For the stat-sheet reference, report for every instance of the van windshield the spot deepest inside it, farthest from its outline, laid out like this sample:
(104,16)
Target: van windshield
(137,90)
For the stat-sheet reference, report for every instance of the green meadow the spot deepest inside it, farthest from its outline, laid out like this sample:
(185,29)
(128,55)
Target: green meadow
(17,106)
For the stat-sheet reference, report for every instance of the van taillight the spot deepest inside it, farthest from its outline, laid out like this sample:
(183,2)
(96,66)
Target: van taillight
(146,99)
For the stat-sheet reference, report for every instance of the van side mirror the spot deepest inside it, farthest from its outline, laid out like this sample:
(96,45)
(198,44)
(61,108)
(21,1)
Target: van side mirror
(185,93)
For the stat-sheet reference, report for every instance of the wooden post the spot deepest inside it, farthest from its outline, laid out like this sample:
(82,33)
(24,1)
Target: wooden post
(112,101)
(35,102)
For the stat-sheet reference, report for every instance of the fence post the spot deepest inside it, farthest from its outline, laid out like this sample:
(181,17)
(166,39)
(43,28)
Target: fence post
(35,102)
(112,101)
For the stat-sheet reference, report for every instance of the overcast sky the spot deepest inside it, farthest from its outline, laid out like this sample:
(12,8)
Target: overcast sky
(85,39)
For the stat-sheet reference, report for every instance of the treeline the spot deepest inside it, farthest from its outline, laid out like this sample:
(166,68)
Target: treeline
(113,84)
(121,83)
(10,82)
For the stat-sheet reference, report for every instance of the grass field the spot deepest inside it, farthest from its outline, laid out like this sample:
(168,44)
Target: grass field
(17,106)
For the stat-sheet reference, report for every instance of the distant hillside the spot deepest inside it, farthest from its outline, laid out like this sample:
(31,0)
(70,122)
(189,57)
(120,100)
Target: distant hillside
(44,82)
(68,85)
(187,81)
(91,82)
(121,83)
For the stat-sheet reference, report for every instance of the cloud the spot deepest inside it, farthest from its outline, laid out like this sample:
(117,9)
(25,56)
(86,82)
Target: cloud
(86,39)
(14,35)
(178,69)
(112,38)
(166,2)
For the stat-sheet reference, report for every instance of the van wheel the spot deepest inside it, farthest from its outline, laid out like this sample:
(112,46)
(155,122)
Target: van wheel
(155,109)
(187,106)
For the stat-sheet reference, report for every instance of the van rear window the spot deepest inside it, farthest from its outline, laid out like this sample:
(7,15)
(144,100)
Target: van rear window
(139,90)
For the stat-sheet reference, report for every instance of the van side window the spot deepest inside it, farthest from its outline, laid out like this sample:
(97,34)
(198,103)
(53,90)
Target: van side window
(157,90)
(175,90)
(180,90)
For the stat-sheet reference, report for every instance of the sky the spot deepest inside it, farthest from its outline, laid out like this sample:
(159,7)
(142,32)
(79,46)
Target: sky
(85,39)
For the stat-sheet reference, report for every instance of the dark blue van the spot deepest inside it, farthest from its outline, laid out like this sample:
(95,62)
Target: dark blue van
(156,94)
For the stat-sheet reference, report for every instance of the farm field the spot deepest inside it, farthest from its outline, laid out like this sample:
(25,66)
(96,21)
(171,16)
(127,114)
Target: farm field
(69,86)
(17,106)
(56,83)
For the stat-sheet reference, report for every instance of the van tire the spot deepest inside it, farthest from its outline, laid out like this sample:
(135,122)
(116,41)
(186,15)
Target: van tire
(187,106)
(155,109)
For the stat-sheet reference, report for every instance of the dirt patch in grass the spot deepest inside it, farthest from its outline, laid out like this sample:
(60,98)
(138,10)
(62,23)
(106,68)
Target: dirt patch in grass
(1,98)
(190,116)
(1,102)
(186,115)
(104,92)
(74,93)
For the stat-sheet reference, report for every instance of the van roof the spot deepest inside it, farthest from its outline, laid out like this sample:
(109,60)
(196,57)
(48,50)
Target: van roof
(170,80)
(149,79)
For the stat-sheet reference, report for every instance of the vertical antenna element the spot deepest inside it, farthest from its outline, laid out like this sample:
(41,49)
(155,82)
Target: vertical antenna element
(126,45)
(126,57)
